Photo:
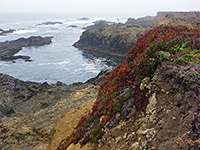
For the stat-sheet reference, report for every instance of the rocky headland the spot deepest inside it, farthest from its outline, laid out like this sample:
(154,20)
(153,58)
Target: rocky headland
(113,40)
(117,39)
(9,48)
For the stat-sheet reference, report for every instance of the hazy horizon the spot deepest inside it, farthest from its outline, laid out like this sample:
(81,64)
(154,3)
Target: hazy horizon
(109,7)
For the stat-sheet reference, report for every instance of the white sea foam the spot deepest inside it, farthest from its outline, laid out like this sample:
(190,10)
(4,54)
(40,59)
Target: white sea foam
(62,62)
(2,63)
(65,62)
(78,70)
(5,29)
(17,23)
(48,26)
(90,68)
(51,31)
(74,21)
(24,31)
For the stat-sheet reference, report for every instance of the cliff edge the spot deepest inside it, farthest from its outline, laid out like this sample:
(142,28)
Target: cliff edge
(150,100)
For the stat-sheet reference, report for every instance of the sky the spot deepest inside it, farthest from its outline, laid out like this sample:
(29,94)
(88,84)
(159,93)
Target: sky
(98,6)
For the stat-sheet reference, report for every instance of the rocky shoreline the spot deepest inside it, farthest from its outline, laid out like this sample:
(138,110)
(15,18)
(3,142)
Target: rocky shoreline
(29,111)
(9,48)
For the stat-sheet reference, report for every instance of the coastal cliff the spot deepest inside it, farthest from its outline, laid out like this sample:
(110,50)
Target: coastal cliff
(150,100)
(116,40)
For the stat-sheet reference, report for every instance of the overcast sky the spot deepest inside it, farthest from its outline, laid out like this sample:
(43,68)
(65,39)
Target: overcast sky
(98,6)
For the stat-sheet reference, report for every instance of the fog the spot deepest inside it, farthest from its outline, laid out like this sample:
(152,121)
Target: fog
(99,7)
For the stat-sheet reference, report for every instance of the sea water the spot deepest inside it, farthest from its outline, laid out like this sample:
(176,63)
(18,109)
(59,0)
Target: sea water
(58,61)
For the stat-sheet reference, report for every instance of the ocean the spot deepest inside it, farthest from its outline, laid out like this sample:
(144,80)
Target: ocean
(59,61)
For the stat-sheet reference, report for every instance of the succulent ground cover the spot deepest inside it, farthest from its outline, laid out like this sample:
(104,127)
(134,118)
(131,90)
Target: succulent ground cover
(121,89)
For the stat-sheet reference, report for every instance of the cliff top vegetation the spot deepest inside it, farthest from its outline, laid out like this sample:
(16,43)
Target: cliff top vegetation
(120,91)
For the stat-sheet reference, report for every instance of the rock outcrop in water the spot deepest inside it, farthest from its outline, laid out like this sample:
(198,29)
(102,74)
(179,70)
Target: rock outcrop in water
(50,23)
(72,26)
(9,48)
(4,32)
